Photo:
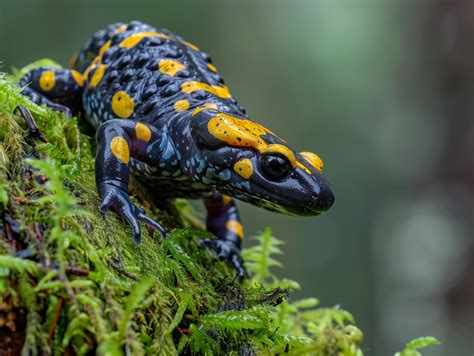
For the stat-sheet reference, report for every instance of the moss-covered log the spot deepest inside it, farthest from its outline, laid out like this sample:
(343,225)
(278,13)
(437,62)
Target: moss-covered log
(72,281)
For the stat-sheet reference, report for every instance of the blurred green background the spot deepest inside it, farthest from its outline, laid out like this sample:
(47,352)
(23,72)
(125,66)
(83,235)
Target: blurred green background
(383,92)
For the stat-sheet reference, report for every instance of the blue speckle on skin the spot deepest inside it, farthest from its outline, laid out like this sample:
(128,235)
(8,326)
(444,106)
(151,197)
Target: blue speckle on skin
(201,166)
(178,155)
(224,174)
(210,172)
(168,152)
(246,186)
(162,165)
(174,163)
(237,185)
(163,143)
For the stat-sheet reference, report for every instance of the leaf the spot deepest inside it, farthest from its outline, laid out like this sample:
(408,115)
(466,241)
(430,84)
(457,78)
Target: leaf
(256,318)
(3,194)
(180,255)
(19,264)
(416,344)
(306,303)
(137,295)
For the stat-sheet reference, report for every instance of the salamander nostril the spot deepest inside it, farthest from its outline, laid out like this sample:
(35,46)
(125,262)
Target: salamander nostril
(325,199)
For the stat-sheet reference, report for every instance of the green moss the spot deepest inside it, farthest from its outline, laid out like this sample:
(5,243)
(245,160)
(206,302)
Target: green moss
(84,285)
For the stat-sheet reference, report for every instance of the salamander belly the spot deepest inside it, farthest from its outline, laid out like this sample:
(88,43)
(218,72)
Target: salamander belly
(168,182)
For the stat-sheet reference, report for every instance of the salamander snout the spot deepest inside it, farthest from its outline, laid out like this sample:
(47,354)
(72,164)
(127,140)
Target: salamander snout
(324,200)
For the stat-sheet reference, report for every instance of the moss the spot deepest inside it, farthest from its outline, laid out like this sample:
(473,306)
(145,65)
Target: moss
(76,282)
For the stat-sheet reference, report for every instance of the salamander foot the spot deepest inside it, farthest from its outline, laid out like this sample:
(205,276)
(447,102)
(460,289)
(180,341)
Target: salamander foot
(229,252)
(117,199)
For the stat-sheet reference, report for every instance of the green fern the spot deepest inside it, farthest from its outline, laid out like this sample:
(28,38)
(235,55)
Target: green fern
(137,295)
(301,318)
(259,260)
(8,262)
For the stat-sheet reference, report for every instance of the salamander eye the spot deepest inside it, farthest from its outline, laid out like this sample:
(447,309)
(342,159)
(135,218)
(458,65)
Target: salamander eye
(275,167)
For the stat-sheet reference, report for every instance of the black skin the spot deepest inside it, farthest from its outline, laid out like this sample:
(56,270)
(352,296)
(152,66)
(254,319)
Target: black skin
(153,99)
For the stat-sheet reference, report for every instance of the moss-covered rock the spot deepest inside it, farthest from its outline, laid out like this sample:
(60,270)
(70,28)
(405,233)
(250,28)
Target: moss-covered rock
(72,280)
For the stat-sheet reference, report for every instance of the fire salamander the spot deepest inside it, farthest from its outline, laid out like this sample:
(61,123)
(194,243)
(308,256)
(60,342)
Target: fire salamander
(163,113)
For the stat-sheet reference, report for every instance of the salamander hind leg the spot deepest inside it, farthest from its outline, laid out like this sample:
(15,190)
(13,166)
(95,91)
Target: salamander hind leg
(224,222)
(59,89)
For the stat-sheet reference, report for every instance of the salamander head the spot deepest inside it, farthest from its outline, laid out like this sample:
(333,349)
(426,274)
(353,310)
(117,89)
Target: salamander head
(256,166)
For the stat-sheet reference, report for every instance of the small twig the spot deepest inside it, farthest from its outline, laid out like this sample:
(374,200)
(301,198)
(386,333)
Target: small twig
(273,334)
(37,231)
(54,322)
(182,331)
(76,271)
(23,200)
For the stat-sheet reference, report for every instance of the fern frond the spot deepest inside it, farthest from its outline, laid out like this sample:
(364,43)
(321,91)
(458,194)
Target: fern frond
(255,318)
(19,265)
(137,295)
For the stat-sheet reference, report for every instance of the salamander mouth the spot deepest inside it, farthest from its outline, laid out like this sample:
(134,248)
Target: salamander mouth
(284,206)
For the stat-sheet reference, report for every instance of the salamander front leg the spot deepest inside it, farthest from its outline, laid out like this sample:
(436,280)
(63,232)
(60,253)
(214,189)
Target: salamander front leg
(224,222)
(35,132)
(118,140)
(60,89)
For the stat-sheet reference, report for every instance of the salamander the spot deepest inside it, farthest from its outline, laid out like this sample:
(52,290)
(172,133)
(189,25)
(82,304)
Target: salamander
(163,113)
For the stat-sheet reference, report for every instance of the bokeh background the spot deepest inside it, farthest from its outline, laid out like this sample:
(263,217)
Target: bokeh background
(383,91)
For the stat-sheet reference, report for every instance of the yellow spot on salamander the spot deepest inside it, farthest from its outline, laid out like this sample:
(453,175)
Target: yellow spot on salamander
(96,61)
(97,76)
(105,47)
(142,132)
(85,75)
(212,67)
(237,132)
(131,41)
(122,104)
(181,105)
(245,133)
(244,168)
(206,106)
(220,91)
(120,150)
(236,227)
(170,67)
(226,199)
(77,77)
(47,80)
(190,45)
(120,29)
(303,167)
(314,160)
